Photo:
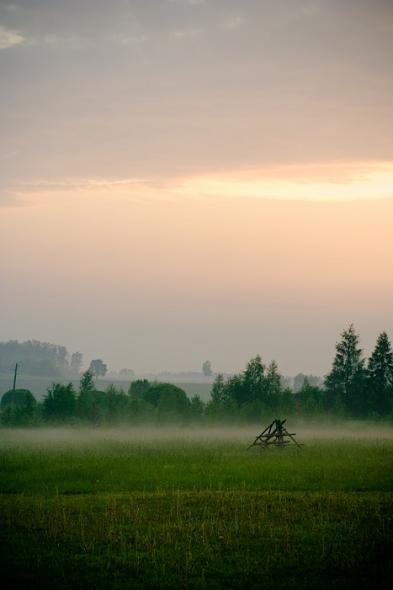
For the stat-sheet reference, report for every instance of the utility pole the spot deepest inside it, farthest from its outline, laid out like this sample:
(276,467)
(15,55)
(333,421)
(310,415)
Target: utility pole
(15,373)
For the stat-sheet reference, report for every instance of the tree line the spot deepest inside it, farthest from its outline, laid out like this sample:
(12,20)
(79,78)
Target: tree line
(63,403)
(45,359)
(355,387)
(38,358)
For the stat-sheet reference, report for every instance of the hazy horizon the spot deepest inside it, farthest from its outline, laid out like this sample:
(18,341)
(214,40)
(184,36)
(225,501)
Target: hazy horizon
(183,180)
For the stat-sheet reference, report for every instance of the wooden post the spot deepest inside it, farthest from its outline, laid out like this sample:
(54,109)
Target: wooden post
(15,373)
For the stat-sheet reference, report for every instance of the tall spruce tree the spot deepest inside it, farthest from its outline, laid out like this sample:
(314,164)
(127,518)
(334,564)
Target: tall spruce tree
(345,384)
(380,376)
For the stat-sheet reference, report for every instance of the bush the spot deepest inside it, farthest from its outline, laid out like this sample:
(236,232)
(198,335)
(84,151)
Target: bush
(18,398)
(59,402)
(18,407)
(170,400)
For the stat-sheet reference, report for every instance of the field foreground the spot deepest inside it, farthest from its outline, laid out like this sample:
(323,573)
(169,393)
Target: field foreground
(194,509)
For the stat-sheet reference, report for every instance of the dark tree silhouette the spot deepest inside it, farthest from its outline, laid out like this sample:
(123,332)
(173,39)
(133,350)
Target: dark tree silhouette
(218,392)
(59,402)
(36,358)
(98,368)
(254,380)
(138,389)
(207,369)
(380,376)
(345,384)
(87,382)
(18,407)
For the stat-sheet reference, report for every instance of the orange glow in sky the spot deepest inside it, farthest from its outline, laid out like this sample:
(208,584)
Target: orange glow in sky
(183,180)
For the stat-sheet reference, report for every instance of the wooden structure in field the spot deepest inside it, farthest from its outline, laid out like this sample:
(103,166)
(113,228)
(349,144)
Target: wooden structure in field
(275,435)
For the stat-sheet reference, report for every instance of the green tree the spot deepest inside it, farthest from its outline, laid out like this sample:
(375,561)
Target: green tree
(138,408)
(253,391)
(92,406)
(87,382)
(345,384)
(235,391)
(287,402)
(380,376)
(272,386)
(197,407)
(222,403)
(18,408)
(116,404)
(90,402)
(171,401)
(138,389)
(253,382)
(218,392)
(60,402)
(309,399)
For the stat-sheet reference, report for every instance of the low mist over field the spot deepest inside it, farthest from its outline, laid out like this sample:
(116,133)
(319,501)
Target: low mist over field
(55,438)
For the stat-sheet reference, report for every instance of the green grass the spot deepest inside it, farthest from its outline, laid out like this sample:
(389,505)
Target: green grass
(100,511)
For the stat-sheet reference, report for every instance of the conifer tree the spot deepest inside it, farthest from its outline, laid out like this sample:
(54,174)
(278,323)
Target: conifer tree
(380,376)
(345,383)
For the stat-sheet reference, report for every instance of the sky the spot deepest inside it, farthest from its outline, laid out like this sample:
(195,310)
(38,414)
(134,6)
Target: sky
(183,180)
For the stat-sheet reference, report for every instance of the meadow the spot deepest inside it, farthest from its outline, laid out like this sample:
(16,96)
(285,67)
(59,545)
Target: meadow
(192,508)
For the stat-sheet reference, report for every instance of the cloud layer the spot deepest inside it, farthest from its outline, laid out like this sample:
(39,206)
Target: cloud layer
(199,179)
(9,38)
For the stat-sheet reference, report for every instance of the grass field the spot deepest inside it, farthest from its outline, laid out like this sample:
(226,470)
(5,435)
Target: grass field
(160,508)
